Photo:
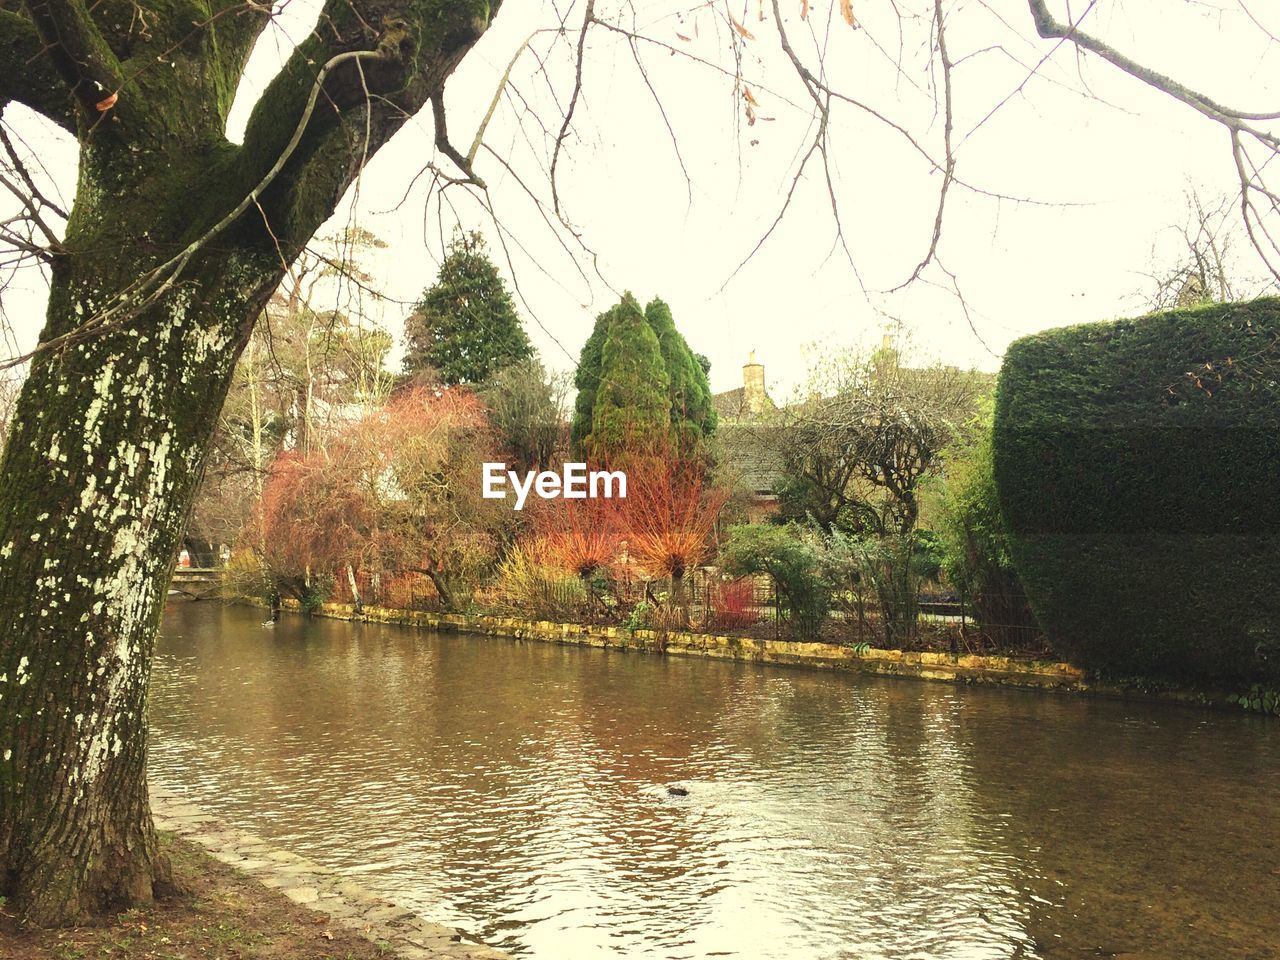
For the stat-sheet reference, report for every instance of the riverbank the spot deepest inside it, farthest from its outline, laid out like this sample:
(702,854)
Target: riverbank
(244,899)
(921,665)
(330,900)
(225,915)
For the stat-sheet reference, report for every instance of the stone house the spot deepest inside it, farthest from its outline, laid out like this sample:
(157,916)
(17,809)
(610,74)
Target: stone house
(743,433)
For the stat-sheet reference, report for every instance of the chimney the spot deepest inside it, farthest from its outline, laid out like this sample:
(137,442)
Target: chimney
(754,398)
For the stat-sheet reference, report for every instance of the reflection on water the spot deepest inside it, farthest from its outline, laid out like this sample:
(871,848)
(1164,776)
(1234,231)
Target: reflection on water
(519,791)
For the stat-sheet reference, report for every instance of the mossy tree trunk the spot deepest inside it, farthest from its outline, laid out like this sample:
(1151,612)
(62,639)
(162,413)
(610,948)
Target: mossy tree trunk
(98,476)
(111,429)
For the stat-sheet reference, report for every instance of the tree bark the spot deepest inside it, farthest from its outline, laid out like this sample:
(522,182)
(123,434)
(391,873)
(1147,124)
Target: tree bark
(105,454)
(111,429)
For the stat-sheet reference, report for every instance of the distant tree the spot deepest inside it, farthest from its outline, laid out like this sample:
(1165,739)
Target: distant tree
(526,408)
(855,453)
(306,370)
(393,493)
(632,410)
(465,327)
(693,415)
(1203,266)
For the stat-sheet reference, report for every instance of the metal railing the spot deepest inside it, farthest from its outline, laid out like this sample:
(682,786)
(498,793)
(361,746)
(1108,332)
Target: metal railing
(705,601)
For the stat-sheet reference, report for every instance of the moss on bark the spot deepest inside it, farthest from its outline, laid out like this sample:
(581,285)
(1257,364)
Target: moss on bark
(112,426)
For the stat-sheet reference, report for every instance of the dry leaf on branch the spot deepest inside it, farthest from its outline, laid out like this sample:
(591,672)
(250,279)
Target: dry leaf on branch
(742,31)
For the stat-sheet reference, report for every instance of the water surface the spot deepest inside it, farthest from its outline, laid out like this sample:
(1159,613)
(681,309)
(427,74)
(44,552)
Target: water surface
(519,790)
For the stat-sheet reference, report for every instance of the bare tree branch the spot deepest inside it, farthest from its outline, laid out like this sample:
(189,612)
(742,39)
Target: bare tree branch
(588,18)
(949,171)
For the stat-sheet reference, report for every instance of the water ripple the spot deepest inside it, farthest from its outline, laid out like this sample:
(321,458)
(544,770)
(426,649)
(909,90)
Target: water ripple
(521,791)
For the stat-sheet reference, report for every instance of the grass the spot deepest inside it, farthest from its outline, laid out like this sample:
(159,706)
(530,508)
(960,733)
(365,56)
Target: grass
(223,916)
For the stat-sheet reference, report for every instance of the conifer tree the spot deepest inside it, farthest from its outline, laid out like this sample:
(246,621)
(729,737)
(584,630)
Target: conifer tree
(693,415)
(465,327)
(587,380)
(691,411)
(632,410)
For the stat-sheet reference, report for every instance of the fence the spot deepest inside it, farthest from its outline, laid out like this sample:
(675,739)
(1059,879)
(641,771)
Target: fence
(705,601)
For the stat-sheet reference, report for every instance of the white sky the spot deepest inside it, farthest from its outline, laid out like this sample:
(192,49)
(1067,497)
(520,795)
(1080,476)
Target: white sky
(1109,172)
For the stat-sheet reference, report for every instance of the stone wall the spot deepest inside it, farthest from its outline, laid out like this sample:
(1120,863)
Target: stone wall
(946,667)
(928,666)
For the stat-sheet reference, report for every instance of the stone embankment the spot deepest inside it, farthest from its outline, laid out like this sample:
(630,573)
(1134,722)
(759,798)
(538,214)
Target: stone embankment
(923,665)
(343,901)
(965,668)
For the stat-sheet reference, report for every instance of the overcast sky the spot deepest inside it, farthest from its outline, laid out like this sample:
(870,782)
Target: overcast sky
(1103,162)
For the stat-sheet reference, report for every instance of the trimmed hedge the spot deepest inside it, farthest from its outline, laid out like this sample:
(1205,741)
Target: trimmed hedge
(1138,470)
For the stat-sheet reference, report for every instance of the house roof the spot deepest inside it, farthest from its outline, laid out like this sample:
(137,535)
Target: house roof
(749,454)
(732,404)
(729,404)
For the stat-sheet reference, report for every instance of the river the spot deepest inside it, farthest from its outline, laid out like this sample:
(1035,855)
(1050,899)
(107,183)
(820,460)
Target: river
(520,790)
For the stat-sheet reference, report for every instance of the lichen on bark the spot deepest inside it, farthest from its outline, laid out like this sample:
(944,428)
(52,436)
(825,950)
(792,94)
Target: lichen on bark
(150,306)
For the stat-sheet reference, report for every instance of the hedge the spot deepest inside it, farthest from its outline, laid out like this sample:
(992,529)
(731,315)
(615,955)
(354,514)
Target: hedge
(1137,465)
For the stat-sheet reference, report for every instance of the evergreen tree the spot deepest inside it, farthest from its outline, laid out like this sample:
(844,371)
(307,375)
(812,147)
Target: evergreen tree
(632,409)
(465,327)
(587,380)
(691,410)
(693,415)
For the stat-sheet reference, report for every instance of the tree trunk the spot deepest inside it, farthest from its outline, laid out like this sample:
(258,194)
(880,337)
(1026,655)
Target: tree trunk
(679,599)
(447,600)
(355,589)
(112,426)
(99,474)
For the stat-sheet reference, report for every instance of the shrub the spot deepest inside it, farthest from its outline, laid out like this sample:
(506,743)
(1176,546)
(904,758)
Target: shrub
(975,545)
(669,516)
(529,587)
(877,573)
(1136,468)
(581,536)
(927,556)
(785,554)
(244,578)
(317,594)
(731,604)
(843,567)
